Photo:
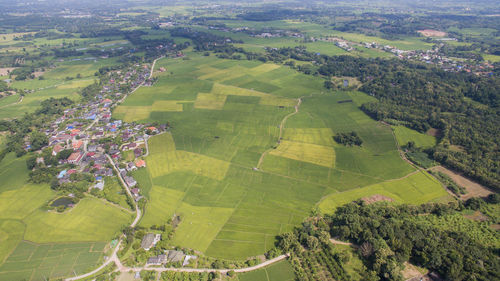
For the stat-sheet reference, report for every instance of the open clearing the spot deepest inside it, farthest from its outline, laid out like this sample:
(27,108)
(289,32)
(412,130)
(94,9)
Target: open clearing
(203,168)
(473,189)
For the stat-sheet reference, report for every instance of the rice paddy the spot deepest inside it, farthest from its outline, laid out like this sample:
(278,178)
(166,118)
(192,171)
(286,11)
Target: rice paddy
(203,169)
(281,271)
(28,231)
(405,135)
(30,261)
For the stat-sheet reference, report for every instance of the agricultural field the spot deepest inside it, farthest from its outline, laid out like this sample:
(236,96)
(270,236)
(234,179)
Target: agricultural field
(405,135)
(223,167)
(281,271)
(417,188)
(30,261)
(28,231)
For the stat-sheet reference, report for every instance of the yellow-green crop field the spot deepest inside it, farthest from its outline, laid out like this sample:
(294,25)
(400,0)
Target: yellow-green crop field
(204,168)
(36,244)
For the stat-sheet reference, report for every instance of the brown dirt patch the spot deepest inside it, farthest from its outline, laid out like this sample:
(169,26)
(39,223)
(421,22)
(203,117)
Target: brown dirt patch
(376,198)
(433,132)
(38,73)
(410,271)
(473,189)
(495,226)
(432,33)
(6,70)
(477,216)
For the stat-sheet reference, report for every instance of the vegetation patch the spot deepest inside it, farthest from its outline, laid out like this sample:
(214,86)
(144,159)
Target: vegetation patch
(307,152)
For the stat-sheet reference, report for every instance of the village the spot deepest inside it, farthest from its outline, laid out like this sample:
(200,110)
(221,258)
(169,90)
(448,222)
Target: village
(433,56)
(87,139)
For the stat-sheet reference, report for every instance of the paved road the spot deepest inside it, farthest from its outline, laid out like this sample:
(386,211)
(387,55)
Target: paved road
(137,210)
(106,263)
(224,270)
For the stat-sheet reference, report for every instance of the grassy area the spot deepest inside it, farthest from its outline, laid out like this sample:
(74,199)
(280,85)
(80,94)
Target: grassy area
(90,220)
(405,135)
(114,192)
(415,189)
(281,271)
(31,261)
(354,267)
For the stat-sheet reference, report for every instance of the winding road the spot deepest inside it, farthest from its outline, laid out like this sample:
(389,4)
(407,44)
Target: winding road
(282,127)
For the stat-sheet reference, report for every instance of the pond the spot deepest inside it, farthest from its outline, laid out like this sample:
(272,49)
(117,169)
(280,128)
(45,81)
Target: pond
(62,201)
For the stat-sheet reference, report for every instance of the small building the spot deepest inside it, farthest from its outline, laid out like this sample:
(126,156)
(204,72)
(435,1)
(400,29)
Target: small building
(92,148)
(61,174)
(57,148)
(149,241)
(77,145)
(137,152)
(129,146)
(75,158)
(158,260)
(135,191)
(175,256)
(130,181)
(99,185)
(140,163)
(131,167)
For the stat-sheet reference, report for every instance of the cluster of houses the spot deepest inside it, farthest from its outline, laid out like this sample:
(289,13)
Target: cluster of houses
(89,135)
(170,256)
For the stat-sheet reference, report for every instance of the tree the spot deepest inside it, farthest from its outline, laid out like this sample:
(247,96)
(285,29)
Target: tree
(31,162)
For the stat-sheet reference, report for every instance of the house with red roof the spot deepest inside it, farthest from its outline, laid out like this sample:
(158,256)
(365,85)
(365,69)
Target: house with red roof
(77,145)
(75,157)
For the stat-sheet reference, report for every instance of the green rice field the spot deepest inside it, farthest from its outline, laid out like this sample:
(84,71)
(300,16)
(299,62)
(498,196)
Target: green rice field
(281,271)
(221,168)
(31,261)
(405,135)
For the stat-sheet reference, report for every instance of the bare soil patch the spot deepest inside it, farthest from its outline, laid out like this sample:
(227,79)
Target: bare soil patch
(376,198)
(6,70)
(477,216)
(38,73)
(432,33)
(410,272)
(495,226)
(473,189)
(433,132)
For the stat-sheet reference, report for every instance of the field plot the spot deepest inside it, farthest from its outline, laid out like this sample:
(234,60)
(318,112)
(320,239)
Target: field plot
(90,220)
(203,169)
(281,271)
(415,189)
(31,261)
(24,218)
(405,135)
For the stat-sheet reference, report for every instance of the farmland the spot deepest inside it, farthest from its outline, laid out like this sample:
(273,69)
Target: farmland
(36,244)
(281,271)
(225,118)
(405,135)
(31,261)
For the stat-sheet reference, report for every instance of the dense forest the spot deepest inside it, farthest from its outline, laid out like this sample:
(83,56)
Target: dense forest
(387,236)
